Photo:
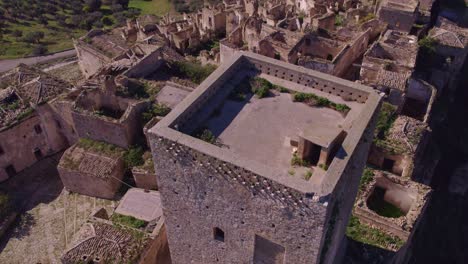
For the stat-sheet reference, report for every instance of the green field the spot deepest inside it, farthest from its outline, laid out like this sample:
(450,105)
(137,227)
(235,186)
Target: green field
(58,37)
(55,39)
(154,7)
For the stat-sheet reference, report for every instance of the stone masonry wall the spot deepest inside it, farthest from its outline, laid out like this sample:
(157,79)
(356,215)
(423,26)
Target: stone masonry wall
(200,193)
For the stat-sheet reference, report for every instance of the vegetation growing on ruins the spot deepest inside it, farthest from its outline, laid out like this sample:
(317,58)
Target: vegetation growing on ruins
(153,111)
(134,156)
(366,178)
(367,18)
(427,45)
(192,70)
(258,86)
(38,27)
(5,206)
(315,100)
(377,204)
(148,162)
(372,236)
(387,116)
(339,20)
(308,175)
(297,161)
(385,120)
(129,221)
(100,147)
(134,89)
(206,135)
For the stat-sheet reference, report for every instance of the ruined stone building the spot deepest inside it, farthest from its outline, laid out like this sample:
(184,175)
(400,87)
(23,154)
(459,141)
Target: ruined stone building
(451,49)
(103,239)
(388,66)
(92,168)
(30,128)
(240,200)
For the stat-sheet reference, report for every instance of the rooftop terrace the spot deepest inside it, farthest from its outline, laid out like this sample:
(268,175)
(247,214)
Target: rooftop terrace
(303,113)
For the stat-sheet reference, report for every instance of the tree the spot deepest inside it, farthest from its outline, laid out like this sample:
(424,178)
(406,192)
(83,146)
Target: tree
(123,3)
(34,37)
(92,5)
(39,50)
(17,34)
(107,21)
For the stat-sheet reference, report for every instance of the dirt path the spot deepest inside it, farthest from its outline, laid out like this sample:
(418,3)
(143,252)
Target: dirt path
(6,65)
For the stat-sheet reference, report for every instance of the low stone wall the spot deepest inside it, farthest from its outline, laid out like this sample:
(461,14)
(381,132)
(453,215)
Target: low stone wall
(145,179)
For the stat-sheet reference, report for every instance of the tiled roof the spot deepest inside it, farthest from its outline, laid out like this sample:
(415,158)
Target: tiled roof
(103,243)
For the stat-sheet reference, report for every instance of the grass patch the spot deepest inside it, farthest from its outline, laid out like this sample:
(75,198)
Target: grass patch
(153,7)
(155,110)
(366,178)
(206,135)
(387,116)
(100,147)
(297,161)
(129,221)
(315,100)
(192,70)
(372,236)
(134,157)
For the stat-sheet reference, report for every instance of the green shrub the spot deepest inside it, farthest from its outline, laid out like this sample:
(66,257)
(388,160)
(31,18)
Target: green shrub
(308,175)
(261,87)
(155,110)
(315,100)
(134,157)
(128,221)
(427,45)
(339,20)
(206,135)
(371,236)
(297,161)
(387,116)
(193,70)
(323,166)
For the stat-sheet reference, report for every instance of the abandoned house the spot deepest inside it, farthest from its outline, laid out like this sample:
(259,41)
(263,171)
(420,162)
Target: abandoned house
(392,203)
(92,168)
(260,191)
(106,111)
(105,239)
(400,15)
(399,150)
(30,129)
(388,66)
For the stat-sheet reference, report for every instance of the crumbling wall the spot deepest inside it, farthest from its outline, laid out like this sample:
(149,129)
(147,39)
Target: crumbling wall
(147,65)
(19,143)
(350,54)
(396,19)
(89,60)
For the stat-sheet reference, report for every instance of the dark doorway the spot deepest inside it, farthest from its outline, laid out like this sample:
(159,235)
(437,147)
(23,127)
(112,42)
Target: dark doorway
(314,154)
(10,170)
(267,252)
(388,164)
(38,153)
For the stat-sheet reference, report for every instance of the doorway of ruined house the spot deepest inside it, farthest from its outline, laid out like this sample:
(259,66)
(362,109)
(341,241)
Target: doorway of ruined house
(314,154)
(267,252)
(10,171)
(388,164)
(38,153)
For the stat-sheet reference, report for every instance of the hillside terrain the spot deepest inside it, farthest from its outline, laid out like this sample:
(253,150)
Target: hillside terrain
(36,27)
